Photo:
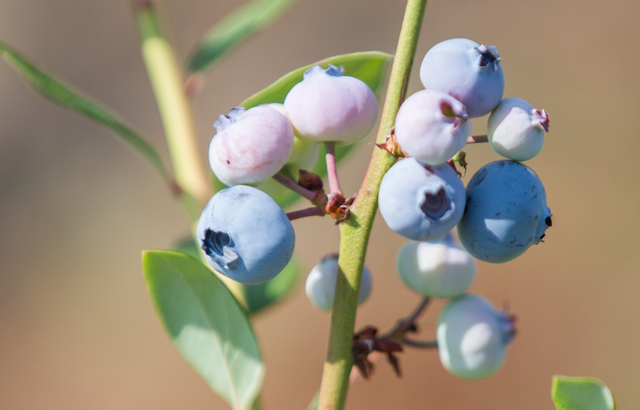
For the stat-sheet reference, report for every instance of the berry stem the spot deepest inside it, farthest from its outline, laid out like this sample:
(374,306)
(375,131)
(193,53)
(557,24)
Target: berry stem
(428,344)
(475,139)
(312,196)
(167,83)
(355,230)
(332,171)
(303,213)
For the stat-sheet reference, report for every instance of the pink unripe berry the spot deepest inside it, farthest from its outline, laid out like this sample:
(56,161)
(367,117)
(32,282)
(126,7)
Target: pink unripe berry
(516,130)
(327,106)
(250,145)
(432,126)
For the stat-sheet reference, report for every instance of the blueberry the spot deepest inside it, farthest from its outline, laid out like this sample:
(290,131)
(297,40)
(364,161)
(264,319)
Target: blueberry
(438,268)
(432,126)
(327,106)
(506,212)
(421,202)
(321,283)
(250,146)
(473,337)
(516,129)
(245,235)
(469,72)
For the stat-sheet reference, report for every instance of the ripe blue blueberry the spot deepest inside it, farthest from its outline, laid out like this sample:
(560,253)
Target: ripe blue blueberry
(327,106)
(516,130)
(432,126)
(245,235)
(469,72)
(250,146)
(473,337)
(439,268)
(506,212)
(321,283)
(421,202)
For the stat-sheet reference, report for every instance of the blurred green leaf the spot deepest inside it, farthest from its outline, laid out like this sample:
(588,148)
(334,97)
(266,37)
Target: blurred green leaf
(581,393)
(74,100)
(259,297)
(313,404)
(235,28)
(206,325)
(369,66)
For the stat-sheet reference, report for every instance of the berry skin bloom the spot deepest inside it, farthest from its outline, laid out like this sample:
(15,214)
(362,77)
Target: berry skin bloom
(321,283)
(245,235)
(469,72)
(250,146)
(516,130)
(438,268)
(421,202)
(327,106)
(506,212)
(432,126)
(473,337)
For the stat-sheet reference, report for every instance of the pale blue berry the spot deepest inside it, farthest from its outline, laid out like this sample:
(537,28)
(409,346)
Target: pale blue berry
(516,130)
(321,283)
(421,202)
(473,337)
(466,70)
(432,126)
(438,268)
(506,212)
(245,235)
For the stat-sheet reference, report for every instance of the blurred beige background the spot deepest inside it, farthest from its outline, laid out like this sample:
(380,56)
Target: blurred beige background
(77,329)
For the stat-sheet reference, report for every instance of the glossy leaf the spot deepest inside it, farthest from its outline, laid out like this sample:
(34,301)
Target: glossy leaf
(258,297)
(581,393)
(65,96)
(206,325)
(235,28)
(369,66)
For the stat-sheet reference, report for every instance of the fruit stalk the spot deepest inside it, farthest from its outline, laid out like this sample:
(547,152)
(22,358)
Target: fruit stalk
(167,83)
(354,232)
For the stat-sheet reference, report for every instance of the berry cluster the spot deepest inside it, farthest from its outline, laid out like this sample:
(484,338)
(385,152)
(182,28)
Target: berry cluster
(501,213)
(243,232)
(246,236)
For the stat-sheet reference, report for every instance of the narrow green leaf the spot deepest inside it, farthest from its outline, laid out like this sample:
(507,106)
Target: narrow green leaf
(258,297)
(237,27)
(369,66)
(206,325)
(74,100)
(313,404)
(581,393)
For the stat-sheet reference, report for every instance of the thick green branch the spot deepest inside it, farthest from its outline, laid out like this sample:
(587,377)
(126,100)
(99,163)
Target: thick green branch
(167,82)
(356,229)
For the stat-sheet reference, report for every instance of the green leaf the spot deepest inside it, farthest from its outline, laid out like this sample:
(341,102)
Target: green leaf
(259,297)
(581,393)
(73,100)
(235,28)
(206,325)
(369,66)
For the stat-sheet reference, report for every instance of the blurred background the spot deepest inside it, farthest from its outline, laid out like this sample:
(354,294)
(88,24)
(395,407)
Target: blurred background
(77,328)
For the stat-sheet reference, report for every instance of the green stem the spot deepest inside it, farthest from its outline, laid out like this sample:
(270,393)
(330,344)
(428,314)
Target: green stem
(354,232)
(167,83)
